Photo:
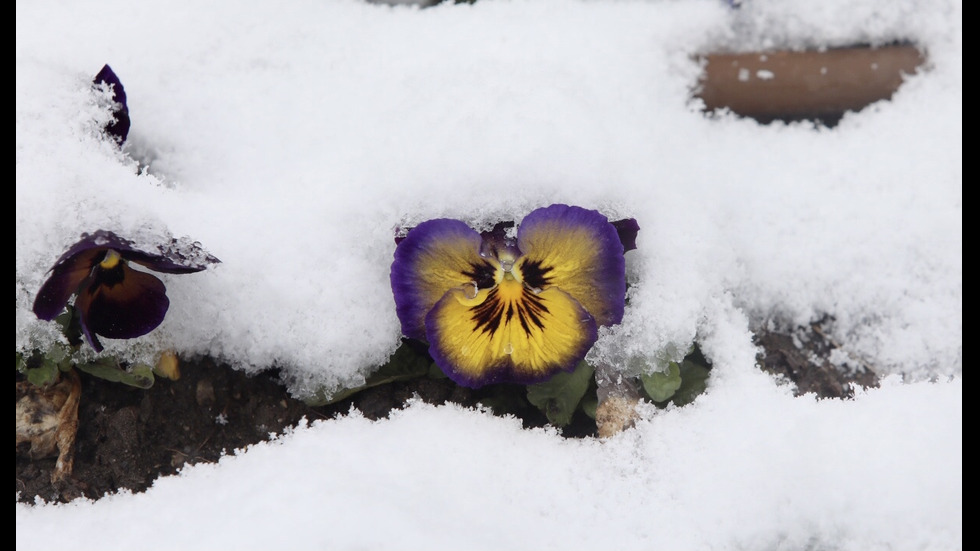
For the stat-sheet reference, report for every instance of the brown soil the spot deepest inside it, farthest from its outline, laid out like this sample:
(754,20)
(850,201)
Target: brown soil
(128,437)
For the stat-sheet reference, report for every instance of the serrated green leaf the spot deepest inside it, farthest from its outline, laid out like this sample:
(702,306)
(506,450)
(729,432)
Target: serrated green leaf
(505,399)
(405,363)
(40,369)
(64,319)
(559,396)
(57,353)
(660,387)
(71,325)
(436,373)
(589,404)
(322,399)
(694,379)
(138,375)
(45,374)
(60,355)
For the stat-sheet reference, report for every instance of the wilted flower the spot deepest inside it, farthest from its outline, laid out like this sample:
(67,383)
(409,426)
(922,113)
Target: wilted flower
(518,309)
(118,128)
(114,300)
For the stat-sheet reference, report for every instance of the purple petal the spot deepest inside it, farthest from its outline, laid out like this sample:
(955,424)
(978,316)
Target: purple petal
(172,258)
(98,240)
(496,242)
(66,275)
(82,305)
(92,338)
(108,76)
(118,129)
(435,256)
(627,230)
(176,257)
(121,308)
(578,251)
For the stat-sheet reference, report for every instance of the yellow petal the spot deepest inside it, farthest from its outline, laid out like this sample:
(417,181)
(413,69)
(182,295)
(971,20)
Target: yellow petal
(168,366)
(508,333)
(436,256)
(579,251)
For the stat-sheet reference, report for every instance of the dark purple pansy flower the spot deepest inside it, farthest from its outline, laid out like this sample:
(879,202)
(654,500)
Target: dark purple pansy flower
(113,299)
(119,128)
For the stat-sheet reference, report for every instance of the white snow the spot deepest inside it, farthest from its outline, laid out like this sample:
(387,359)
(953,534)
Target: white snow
(292,139)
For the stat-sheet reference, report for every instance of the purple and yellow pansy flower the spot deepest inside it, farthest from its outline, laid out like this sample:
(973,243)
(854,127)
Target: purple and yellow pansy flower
(112,299)
(499,309)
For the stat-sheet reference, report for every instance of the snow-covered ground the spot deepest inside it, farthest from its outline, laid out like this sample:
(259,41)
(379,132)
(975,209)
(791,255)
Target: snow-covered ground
(292,139)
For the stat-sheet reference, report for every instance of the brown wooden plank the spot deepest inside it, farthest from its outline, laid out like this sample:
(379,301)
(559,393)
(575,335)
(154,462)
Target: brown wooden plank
(807,84)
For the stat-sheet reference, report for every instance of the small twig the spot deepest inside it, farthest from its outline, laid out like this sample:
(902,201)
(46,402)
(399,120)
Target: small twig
(67,430)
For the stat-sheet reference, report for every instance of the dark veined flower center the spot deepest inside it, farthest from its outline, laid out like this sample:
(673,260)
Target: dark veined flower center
(483,275)
(505,301)
(514,284)
(534,274)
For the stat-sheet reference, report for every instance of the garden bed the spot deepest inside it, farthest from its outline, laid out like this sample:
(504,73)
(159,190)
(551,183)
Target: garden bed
(128,437)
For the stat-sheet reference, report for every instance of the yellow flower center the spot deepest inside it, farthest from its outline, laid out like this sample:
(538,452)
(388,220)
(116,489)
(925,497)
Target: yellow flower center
(111,260)
(508,268)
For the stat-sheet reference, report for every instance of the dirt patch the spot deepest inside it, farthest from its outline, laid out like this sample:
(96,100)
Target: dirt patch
(128,437)
(802,357)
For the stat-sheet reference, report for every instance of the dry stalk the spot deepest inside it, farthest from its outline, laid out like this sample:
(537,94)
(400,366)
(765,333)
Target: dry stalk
(617,400)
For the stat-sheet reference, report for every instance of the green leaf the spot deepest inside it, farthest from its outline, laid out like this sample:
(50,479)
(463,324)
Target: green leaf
(559,396)
(660,387)
(71,325)
(43,375)
(60,355)
(589,404)
(505,399)
(436,373)
(43,369)
(694,379)
(406,363)
(682,383)
(138,375)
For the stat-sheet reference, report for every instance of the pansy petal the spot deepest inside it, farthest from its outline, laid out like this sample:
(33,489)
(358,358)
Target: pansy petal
(578,251)
(171,258)
(82,305)
(66,276)
(165,264)
(500,242)
(627,229)
(435,256)
(122,308)
(508,334)
(108,76)
(119,128)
